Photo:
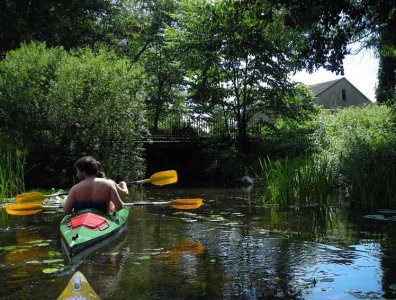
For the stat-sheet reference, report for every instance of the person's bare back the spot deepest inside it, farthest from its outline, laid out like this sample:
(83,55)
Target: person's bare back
(91,192)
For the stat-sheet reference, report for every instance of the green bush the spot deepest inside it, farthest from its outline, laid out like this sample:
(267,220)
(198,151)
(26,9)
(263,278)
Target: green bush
(60,106)
(354,148)
(362,144)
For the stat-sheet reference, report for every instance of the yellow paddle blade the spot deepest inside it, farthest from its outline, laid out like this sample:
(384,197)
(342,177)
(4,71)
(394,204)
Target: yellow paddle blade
(186,203)
(186,207)
(163,178)
(33,197)
(23,209)
(196,201)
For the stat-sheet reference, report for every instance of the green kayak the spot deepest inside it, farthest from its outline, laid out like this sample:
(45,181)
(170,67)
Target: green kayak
(89,229)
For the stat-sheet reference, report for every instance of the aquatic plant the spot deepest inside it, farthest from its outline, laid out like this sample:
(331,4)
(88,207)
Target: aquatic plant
(11,171)
(303,180)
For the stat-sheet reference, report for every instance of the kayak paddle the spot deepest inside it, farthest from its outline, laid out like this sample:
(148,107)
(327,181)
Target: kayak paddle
(177,203)
(159,178)
(24,209)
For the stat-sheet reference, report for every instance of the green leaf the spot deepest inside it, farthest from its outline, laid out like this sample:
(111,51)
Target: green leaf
(50,270)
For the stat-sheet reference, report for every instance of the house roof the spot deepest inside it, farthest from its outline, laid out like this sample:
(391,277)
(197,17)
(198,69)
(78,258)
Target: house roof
(321,87)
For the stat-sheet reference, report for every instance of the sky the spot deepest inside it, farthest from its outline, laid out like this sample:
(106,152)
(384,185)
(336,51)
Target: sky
(360,69)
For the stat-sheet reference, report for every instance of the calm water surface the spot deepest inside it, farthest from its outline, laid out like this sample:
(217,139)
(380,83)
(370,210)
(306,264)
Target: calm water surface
(227,249)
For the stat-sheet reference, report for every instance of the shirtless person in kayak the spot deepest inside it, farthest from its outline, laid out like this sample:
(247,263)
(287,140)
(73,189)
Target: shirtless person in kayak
(91,191)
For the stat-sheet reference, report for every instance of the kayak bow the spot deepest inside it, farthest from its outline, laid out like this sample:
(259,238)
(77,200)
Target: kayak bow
(89,229)
(78,288)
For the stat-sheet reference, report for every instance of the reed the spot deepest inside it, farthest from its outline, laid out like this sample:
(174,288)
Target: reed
(11,172)
(300,181)
(371,181)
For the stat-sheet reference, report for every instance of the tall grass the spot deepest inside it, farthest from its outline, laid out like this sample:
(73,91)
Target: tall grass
(301,181)
(11,172)
(355,151)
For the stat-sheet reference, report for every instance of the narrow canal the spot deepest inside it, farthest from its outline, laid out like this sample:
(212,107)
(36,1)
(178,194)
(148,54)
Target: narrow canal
(227,249)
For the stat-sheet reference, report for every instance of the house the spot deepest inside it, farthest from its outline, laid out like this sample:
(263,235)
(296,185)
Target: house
(337,94)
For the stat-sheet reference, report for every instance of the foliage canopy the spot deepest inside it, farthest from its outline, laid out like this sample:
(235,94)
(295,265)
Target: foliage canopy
(72,104)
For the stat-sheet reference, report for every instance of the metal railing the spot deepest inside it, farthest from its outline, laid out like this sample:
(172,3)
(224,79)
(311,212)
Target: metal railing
(201,127)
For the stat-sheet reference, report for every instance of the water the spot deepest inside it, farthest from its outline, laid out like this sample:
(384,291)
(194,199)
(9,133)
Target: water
(227,249)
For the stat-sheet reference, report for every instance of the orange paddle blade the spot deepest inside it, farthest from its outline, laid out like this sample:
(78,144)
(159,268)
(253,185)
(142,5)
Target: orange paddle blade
(196,201)
(23,209)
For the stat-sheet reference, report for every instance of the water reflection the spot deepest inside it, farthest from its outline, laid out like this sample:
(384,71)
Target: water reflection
(228,248)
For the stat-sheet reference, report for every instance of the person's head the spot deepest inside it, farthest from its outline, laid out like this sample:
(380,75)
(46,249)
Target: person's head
(86,166)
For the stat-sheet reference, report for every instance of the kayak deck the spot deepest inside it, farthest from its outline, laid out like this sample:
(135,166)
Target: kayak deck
(90,229)
(78,288)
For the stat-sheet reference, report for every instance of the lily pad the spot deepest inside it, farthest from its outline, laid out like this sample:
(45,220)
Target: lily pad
(238,214)
(393,287)
(184,213)
(50,270)
(189,220)
(20,250)
(387,211)
(35,242)
(144,257)
(22,274)
(53,261)
(380,218)
(54,253)
(51,212)
(216,219)
(9,248)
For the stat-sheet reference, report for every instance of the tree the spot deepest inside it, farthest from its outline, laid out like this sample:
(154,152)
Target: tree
(70,23)
(386,88)
(140,36)
(331,27)
(239,55)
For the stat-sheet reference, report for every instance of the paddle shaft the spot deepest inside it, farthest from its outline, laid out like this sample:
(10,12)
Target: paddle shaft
(137,182)
(146,203)
(141,203)
(54,195)
(32,208)
(159,178)
(125,204)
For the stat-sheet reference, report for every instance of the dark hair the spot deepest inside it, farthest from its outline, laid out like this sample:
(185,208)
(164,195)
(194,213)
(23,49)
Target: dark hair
(87,164)
(101,173)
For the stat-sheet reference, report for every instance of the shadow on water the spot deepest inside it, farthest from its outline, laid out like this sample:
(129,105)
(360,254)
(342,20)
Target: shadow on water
(228,248)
